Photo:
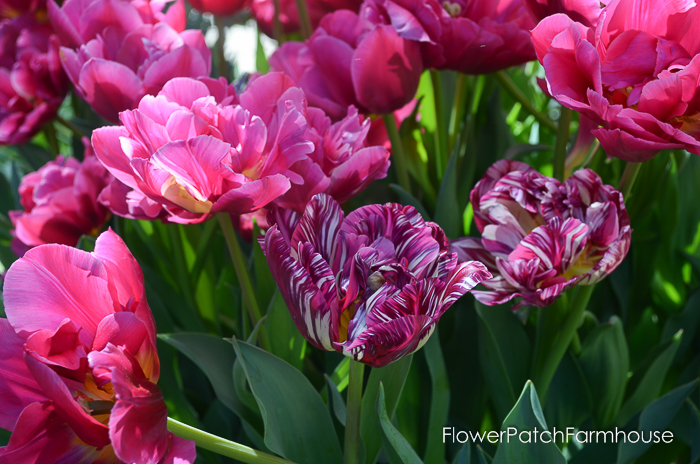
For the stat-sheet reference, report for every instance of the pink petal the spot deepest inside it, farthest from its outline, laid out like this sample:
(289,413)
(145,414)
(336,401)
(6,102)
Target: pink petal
(110,87)
(252,196)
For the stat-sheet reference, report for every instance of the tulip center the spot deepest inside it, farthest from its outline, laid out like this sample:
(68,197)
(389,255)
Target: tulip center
(453,9)
(345,319)
(179,195)
(584,264)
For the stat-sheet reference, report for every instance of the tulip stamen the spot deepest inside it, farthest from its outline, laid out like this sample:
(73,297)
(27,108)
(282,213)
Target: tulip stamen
(453,9)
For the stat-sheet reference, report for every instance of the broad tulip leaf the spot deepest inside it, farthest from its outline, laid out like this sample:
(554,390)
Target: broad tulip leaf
(464,456)
(483,456)
(298,425)
(439,399)
(407,199)
(604,361)
(694,417)
(569,398)
(264,282)
(504,351)
(527,415)
(688,320)
(286,341)
(393,378)
(337,401)
(447,212)
(651,382)
(655,418)
(397,449)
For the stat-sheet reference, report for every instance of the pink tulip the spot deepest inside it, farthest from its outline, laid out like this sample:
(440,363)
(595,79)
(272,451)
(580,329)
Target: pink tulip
(60,202)
(351,61)
(371,285)
(469,36)
(116,51)
(14,8)
(219,7)
(635,75)
(32,83)
(80,366)
(585,12)
(540,236)
(195,150)
(264,12)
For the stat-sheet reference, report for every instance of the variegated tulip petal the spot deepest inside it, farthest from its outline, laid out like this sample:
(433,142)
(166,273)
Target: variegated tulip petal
(319,225)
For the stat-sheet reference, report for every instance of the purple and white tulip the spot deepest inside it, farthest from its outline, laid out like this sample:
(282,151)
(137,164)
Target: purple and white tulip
(540,236)
(371,285)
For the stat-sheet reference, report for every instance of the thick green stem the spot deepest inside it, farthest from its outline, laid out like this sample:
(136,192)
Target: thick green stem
(243,275)
(353,413)
(564,338)
(562,141)
(548,321)
(222,446)
(221,41)
(440,125)
(398,159)
(508,84)
(304,20)
(628,177)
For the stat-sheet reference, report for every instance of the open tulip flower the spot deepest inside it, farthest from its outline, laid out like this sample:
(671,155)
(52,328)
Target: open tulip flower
(116,51)
(219,7)
(585,12)
(469,36)
(264,12)
(540,236)
(13,8)
(60,202)
(32,83)
(198,148)
(79,361)
(635,75)
(371,285)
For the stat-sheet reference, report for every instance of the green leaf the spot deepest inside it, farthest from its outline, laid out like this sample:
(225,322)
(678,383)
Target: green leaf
(483,456)
(651,381)
(337,401)
(604,361)
(265,283)
(569,398)
(398,450)
(286,341)
(298,425)
(526,416)
(261,63)
(447,212)
(215,356)
(655,418)
(393,378)
(407,199)
(688,320)
(504,351)
(464,456)
(694,417)
(439,399)
(86,243)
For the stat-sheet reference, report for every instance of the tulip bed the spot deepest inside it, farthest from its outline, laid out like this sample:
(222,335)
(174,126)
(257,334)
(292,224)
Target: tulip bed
(416,232)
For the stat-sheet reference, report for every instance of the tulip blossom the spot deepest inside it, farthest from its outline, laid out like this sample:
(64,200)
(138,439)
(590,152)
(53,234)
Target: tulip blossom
(219,7)
(371,285)
(198,148)
(351,61)
(115,51)
(60,202)
(585,12)
(540,236)
(13,8)
(32,83)
(468,36)
(80,366)
(264,12)
(635,75)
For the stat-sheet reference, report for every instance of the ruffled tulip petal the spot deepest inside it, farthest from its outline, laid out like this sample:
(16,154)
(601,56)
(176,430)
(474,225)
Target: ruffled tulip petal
(319,225)
(252,196)
(110,87)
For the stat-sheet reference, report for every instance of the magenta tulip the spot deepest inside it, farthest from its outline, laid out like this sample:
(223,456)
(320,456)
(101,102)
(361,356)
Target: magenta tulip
(585,12)
(540,236)
(13,8)
(469,36)
(371,285)
(32,83)
(635,76)
(351,61)
(115,51)
(264,12)
(80,366)
(219,7)
(60,203)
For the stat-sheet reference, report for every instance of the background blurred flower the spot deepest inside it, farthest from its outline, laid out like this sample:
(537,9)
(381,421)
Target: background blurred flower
(32,83)
(636,75)
(351,61)
(60,202)
(264,12)
(80,364)
(371,285)
(115,51)
(540,236)
(219,7)
(13,8)
(585,12)
(472,37)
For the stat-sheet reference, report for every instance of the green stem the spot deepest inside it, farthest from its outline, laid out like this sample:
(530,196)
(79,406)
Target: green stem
(548,321)
(80,133)
(564,338)
(440,127)
(242,273)
(222,446)
(50,133)
(304,20)
(458,110)
(628,177)
(181,264)
(220,58)
(353,413)
(508,84)
(398,158)
(562,140)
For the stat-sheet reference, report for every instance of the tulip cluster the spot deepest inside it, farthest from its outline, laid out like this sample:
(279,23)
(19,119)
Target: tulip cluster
(540,236)
(79,361)
(60,202)
(371,285)
(264,12)
(197,148)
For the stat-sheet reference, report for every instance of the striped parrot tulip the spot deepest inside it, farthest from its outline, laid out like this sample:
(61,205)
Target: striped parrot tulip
(371,285)
(540,236)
